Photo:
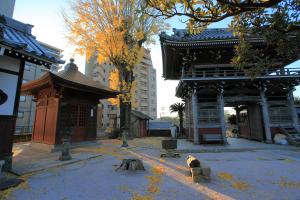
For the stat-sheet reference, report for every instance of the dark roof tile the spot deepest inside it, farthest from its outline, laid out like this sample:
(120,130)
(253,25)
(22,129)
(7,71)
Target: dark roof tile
(18,35)
(71,73)
(181,35)
(140,114)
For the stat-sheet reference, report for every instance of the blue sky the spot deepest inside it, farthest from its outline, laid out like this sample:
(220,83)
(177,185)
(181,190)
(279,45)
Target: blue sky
(45,15)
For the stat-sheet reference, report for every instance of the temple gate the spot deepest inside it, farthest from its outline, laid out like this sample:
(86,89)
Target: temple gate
(209,82)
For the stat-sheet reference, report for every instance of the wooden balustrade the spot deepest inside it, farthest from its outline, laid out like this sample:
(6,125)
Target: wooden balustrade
(238,73)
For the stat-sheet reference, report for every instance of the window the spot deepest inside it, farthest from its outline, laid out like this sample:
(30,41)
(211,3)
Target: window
(20,114)
(24,81)
(82,119)
(210,113)
(22,98)
(279,114)
(74,113)
(79,115)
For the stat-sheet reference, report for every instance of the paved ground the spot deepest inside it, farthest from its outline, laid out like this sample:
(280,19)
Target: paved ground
(28,158)
(261,174)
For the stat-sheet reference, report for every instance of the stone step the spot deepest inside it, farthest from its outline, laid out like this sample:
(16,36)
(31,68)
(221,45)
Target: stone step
(293,136)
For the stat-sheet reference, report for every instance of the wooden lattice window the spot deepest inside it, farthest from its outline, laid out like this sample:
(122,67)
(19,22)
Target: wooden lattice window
(209,113)
(79,115)
(83,115)
(279,114)
(74,115)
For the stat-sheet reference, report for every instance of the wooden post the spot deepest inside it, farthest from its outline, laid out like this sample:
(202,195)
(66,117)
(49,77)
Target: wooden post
(190,118)
(265,113)
(195,116)
(222,118)
(290,98)
(182,72)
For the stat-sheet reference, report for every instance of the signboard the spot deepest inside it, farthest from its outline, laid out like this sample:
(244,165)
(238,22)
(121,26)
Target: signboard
(8,90)
(9,71)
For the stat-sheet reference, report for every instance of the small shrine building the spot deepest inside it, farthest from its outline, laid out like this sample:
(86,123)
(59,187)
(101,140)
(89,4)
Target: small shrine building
(66,103)
(209,82)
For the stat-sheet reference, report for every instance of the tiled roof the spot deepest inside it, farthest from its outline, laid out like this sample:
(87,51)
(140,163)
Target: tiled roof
(17,35)
(70,77)
(208,34)
(140,114)
(71,73)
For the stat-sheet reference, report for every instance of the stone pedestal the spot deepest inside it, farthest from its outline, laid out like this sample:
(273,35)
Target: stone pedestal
(6,182)
(125,137)
(65,154)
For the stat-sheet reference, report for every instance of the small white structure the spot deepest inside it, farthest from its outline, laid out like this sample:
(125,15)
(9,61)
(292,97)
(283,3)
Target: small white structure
(162,128)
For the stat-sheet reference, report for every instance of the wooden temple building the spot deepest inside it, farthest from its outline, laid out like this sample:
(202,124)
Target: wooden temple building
(139,124)
(66,103)
(209,82)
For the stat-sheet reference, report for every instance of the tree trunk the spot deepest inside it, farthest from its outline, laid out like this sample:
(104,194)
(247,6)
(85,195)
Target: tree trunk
(181,124)
(125,104)
(131,164)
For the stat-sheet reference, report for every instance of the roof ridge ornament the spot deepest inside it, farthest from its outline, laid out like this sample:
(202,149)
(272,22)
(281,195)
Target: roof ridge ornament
(71,65)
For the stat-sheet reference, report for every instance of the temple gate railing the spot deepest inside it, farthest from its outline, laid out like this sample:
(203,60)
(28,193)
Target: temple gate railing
(238,74)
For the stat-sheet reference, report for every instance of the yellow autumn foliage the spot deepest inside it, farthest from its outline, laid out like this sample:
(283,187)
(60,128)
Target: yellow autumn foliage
(115,31)
(114,83)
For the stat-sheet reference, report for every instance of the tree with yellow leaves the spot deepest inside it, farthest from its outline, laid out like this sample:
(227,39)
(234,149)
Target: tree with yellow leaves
(115,30)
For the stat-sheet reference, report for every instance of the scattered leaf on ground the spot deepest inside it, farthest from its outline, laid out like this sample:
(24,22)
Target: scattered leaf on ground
(225,176)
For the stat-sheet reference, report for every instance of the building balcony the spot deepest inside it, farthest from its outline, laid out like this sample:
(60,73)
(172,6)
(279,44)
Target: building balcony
(144,95)
(146,104)
(143,87)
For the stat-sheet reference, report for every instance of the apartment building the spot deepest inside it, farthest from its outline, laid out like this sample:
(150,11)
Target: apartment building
(145,95)
(26,113)
(145,76)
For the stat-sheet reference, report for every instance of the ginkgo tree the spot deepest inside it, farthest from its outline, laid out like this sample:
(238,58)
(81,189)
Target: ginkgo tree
(114,80)
(116,31)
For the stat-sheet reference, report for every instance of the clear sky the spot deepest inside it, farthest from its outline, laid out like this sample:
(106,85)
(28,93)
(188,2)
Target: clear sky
(45,15)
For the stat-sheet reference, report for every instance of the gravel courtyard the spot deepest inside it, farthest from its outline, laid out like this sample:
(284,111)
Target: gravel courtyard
(261,174)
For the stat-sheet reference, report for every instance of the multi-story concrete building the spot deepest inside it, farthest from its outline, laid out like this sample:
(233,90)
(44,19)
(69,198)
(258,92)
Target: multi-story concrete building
(145,76)
(26,113)
(7,8)
(144,97)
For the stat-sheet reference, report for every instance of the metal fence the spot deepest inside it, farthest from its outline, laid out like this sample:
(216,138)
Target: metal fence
(23,130)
